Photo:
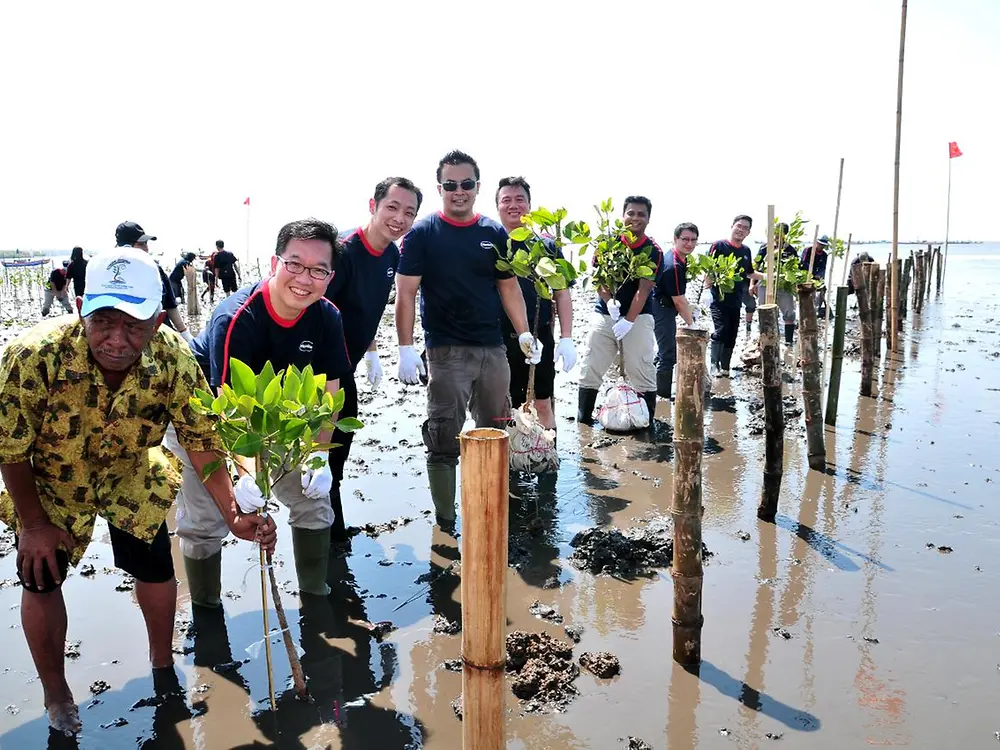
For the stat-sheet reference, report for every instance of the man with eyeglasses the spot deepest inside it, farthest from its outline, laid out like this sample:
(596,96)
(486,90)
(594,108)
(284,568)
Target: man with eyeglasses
(669,302)
(360,289)
(450,257)
(285,320)
(726,310)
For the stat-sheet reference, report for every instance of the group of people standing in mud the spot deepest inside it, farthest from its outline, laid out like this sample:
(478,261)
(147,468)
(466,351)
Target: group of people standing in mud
(89,403)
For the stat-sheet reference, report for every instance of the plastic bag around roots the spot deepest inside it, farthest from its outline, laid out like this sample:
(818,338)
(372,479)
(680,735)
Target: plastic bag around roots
(532,447)
(623,409)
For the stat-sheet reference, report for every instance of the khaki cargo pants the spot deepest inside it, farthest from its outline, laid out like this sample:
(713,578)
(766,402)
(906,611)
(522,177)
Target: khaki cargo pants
(637,346)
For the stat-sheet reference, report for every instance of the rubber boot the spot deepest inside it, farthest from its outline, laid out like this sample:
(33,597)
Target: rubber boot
(664,383)
(748,329)
(727,358)
(585,405)
(338,531)
(311,548)
(715,356)
(204,579)
(650,398)
(789,333)
(441,478)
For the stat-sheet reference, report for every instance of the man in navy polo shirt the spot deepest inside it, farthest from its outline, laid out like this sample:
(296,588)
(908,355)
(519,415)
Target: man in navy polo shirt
(786,300)
(360,288)
(513,200)
(669,302)
(451,258)
(628,319)
(819,249)
(286,320)
(726,310)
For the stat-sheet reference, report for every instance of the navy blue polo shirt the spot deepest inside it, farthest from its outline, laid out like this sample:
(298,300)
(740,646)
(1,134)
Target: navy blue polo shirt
(723,248)
(531,297)
(672,281)
(459,301)
(819,265)
(360,290)
(626,292)
(245,326)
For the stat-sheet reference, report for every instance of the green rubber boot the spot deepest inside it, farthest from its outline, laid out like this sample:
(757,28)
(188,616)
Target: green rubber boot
(311,548)
(204,579)
(441,478)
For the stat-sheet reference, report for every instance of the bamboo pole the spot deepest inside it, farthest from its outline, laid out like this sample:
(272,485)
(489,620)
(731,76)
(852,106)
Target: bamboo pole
(847,260)
(937,280)
(894,281)
(918,282)
(769,284)
(904,298)
(298,676)
(879,313)
(839,327)
(774,418)
(689,438)
(267,629)
(859,276)
(812,252)
(812,378)
(829,280)
(484,580)
(190,278)
(947,216)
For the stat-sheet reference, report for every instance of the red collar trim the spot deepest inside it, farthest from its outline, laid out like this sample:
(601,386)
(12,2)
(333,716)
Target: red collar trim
(639,241)
(456,223)
(272,312)
(368,246)
(679,256)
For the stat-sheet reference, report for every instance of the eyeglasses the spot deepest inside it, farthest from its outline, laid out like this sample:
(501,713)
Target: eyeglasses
(295,268)
(450,186)
(688,239)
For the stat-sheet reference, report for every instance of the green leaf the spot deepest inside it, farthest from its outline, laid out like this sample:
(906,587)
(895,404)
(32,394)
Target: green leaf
(242,377)
(272,392)
(197,407)
(349,424)
(257,419)
(246,405)
(338,402)
(263,380)
(292,430)
(520,234)
(204,397)
(542,290)
(220,403)
(307,391)
(290,392)
(210,468)
(645,272)
(249,445)
(503,265)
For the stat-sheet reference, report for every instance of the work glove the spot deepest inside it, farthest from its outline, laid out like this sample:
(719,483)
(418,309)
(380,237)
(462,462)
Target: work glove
(695,314)
(316,483)
(186,335)
(566,350)
(374,369)
(248,496)
(614,309)
(621,328)
(410,365)
(531,348)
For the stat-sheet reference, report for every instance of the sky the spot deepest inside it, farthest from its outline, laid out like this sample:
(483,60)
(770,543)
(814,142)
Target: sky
(171,114)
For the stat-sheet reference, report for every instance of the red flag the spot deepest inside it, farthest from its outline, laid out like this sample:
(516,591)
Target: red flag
(953,151)
(247,201)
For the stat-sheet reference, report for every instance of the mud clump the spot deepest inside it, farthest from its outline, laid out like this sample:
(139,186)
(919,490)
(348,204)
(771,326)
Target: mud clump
(445,626)
(634,743)
(6,543)
(545,612)
(99,686)
(542,670)
(602,664)
(574,632)
(375,530)
(625,554)
(452,665)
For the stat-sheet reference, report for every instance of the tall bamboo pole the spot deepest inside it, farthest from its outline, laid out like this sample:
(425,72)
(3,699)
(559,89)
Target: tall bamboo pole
(847,259)
(771,261)
(812,252)
(812,378)
(484,581)
(859,277)
(947,216)
(774,418)
(829,279)
(938,270)
(191,281)
(904,298)
(689,438)
(880,313)
(894,282)
(839,328)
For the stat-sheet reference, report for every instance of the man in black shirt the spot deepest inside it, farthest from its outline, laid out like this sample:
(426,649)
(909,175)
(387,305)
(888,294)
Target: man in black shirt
(726,310)
(226,268)
(785,300)
(177,275)
(57,289)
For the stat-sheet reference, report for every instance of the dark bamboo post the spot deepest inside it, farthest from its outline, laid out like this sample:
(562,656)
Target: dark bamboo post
(484,583)
(812,377)
(918,283)
(839,327)
(937,275)
(902,296)
(904,299)
(859,275)
(774,418)
(689,438)
(879,313)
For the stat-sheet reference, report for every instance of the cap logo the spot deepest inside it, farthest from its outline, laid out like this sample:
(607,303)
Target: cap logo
(117,267)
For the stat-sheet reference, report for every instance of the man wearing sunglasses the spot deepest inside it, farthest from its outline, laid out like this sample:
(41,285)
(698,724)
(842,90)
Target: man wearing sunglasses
(285,320)
(451,258)
(360,289)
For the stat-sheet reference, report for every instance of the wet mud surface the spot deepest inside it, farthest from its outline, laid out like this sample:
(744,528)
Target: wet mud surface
(866,615)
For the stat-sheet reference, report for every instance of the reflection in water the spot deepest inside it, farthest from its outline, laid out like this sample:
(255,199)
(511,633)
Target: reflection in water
(682,718)
(763,617)
(534,548)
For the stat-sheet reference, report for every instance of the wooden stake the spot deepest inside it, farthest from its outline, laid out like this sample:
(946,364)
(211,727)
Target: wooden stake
(689,437)
(190,279)
(484,584)
(812,378)
(879,314)
(769,283)
(904,297)
(937,281)
(859,277)
(847,260)
(774,418)
(839,327)
(298,676)
(812,252)
(894,281)
(267,630)
(829,279)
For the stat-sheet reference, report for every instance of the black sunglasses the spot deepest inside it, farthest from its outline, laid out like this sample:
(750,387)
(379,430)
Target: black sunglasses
(450,186)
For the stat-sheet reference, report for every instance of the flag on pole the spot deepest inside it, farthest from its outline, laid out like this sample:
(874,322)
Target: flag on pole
(247,201)
(953,151)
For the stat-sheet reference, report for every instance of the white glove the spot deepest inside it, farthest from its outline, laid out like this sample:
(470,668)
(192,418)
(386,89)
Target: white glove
(566,350)
(248,496)
(410,365)
(695,314)
(706,298)
(614,309)
(186,335)
(531,348)
(316,483)
(374,368)
(621,328)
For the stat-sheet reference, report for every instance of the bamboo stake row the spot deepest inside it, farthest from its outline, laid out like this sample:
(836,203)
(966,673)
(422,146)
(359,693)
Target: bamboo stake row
(774,418)
(839,329)
(859,275)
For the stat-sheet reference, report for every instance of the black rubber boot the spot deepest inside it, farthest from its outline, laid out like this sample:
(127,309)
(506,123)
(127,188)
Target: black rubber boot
(650,398)
(664,383)
(715,355)
(338,531)
(585,405)
(727,358)
(789,333)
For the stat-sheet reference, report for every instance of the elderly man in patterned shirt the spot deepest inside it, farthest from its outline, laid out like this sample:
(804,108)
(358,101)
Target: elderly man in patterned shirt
(84,404)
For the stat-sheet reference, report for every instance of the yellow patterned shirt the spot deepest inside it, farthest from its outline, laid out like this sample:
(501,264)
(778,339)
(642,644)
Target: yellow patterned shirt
(94,451)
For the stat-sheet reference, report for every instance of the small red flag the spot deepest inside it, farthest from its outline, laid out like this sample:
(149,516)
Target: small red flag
(953,151)
(247,201)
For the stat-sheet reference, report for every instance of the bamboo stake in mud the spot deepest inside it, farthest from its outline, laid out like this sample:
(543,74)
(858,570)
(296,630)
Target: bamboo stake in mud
(829,277)
(484,580)
(894,281)
(774,418)
(812,377)
(689,438)
(298,676)
(191,281)
(267,630)
(847,260)
(812,252)
(859,277)
(769,284)
(839,327)
(918,282)
(880,298)
(937,279)
(904,297)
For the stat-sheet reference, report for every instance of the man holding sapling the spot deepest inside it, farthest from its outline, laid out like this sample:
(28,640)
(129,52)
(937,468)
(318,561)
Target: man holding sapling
(84,405)
(626,320)
(285,320)
(669,302)
(360,289)
(726,308)
(451,257)
(817,254)
(513,199)
(785,299)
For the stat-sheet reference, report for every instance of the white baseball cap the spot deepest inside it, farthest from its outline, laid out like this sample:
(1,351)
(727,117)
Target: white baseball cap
(123,279)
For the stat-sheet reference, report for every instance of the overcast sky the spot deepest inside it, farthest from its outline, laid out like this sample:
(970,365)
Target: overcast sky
(171,114)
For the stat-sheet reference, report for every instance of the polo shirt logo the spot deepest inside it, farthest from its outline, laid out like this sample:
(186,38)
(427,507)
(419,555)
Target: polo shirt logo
(487,245)
(306,346)
(390,272)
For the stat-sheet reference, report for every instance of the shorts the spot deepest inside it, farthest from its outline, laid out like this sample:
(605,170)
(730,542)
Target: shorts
(148,563)
(545,371)
(229,284)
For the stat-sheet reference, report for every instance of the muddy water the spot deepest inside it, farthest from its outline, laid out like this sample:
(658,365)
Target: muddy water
(835,627)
